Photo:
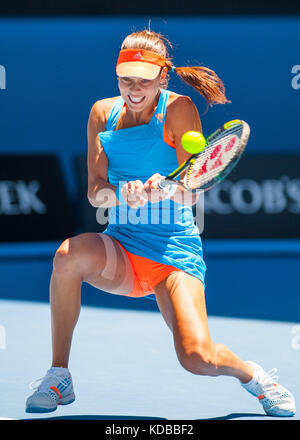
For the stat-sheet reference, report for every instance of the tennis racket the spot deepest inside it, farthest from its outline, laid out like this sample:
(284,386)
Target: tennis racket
(224,148)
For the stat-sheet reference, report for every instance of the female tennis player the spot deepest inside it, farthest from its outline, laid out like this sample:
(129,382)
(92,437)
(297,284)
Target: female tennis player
(133,140)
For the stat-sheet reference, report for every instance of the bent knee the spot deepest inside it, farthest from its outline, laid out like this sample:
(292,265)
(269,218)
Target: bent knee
(65,257)
(74,255)
(199,359)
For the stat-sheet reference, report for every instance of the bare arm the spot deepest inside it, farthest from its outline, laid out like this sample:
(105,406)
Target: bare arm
(100,192)
(183,116)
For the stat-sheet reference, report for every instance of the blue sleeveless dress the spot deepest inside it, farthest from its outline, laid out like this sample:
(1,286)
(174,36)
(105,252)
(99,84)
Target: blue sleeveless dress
(164,232)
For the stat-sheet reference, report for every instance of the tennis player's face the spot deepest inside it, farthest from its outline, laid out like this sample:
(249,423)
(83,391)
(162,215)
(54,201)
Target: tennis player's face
(138,93)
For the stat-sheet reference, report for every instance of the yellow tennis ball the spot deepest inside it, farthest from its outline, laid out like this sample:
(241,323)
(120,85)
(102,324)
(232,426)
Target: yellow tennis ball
(193,142)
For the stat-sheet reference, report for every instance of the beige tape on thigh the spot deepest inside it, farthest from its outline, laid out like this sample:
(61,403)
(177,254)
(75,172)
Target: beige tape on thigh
(128,282)
(110,268)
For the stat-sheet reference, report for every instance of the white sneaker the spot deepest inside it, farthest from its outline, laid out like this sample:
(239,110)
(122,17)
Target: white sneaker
(275,399)
(55,389)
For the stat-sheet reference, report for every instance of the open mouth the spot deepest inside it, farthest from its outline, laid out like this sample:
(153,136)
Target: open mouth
(134,100)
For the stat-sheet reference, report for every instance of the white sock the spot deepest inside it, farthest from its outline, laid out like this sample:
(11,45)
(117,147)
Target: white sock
(254,378)
(60,371)
(253,386)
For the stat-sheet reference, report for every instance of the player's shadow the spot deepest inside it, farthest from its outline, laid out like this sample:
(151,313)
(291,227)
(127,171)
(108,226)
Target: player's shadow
(236,416)
(98,417)
(114,417)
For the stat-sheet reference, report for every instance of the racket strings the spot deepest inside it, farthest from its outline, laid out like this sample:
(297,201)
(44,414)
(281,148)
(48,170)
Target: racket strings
(214,159)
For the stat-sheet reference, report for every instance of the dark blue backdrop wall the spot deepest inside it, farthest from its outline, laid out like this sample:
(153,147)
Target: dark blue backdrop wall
(55,69)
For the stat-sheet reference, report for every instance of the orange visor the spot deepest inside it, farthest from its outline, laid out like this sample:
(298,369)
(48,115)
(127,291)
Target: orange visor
(139,62)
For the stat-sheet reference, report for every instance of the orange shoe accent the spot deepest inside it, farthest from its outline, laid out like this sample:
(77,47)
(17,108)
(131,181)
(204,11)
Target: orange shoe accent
(261,396)
(56,390)
(147,274)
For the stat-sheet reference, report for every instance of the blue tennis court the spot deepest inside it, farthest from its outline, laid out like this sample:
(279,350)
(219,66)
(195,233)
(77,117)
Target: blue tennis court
(123,361)
(112,382)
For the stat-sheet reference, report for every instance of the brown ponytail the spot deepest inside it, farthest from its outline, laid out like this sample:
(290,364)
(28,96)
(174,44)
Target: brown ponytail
(201,78)
(205,80)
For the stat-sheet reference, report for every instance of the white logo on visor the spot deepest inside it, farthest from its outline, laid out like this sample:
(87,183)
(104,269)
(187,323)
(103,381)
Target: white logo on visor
(138,56)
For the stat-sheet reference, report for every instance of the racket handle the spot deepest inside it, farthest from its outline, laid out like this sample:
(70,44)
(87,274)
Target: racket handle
(168,183)
(164,182)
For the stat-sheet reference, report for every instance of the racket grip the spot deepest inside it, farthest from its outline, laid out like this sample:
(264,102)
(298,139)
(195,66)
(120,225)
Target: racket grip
(163,183)
(168,183)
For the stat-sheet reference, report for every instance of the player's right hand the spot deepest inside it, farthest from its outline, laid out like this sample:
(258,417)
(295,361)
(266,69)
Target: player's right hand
(134,194)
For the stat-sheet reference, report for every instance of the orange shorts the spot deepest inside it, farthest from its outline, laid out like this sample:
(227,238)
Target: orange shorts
(147,274)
